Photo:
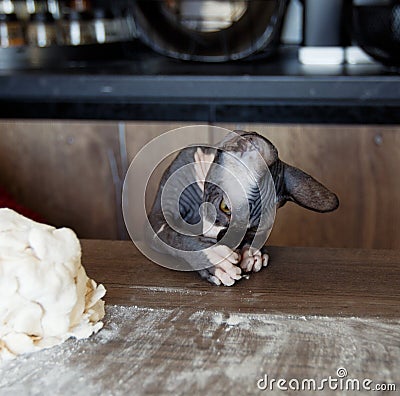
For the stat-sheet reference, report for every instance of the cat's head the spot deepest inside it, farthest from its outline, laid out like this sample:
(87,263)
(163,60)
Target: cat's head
(240,177)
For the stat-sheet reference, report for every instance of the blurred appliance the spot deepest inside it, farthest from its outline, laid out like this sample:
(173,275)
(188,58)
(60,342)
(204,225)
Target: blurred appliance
(210,30)
(376,28)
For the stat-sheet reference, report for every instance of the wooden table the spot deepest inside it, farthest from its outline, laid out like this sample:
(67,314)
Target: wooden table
(309,313)
(303,281)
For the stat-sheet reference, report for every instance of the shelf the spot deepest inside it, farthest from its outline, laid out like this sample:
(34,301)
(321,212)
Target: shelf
(151,87)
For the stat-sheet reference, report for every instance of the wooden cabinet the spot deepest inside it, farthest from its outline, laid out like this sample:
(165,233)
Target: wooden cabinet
(72,172)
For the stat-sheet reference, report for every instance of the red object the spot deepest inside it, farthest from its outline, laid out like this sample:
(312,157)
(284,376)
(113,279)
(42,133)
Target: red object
(6,201)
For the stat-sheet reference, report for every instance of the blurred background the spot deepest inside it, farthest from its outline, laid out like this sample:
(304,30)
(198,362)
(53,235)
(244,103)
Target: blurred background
(85,84)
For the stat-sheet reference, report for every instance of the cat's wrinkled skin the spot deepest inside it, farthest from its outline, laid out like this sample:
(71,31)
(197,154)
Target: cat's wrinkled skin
(238,153)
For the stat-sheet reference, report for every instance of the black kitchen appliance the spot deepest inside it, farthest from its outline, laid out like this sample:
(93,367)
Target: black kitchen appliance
(188,30)
(376,28)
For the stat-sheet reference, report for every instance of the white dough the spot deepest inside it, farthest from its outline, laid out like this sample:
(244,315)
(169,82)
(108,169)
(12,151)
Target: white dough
(45,294)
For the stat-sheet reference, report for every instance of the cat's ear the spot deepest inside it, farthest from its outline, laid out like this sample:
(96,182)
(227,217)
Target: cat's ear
(202,163)
(304,190)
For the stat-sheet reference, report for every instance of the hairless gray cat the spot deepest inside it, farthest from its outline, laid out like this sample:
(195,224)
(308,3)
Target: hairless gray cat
(251,159)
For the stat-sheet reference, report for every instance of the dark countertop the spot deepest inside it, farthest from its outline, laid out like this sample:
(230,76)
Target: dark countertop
(137,84)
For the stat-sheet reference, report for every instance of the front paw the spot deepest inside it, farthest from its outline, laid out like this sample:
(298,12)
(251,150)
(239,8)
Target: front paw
(223,266)
(253,259)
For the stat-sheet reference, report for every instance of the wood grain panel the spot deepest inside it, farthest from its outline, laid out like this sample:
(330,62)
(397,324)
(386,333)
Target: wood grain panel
(71,173)
(62,170)
(360,164)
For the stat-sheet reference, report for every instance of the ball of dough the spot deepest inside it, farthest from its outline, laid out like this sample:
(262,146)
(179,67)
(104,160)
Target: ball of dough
(45,294)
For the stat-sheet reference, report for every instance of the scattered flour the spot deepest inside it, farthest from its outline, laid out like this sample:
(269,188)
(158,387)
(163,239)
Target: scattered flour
(182,351)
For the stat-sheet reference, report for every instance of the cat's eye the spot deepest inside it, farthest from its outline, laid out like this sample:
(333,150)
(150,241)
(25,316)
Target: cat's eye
(224,207)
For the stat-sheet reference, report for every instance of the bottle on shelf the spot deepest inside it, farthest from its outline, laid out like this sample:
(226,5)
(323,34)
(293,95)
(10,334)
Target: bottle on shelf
(109,28)
(77,28)
(11,31)
(42,30)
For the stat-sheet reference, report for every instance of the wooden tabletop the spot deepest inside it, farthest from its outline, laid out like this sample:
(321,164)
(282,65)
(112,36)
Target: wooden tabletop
(310,315)
(302,281)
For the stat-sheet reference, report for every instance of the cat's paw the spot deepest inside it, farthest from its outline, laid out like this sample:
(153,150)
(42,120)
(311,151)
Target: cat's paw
(253,259)
(223,269)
